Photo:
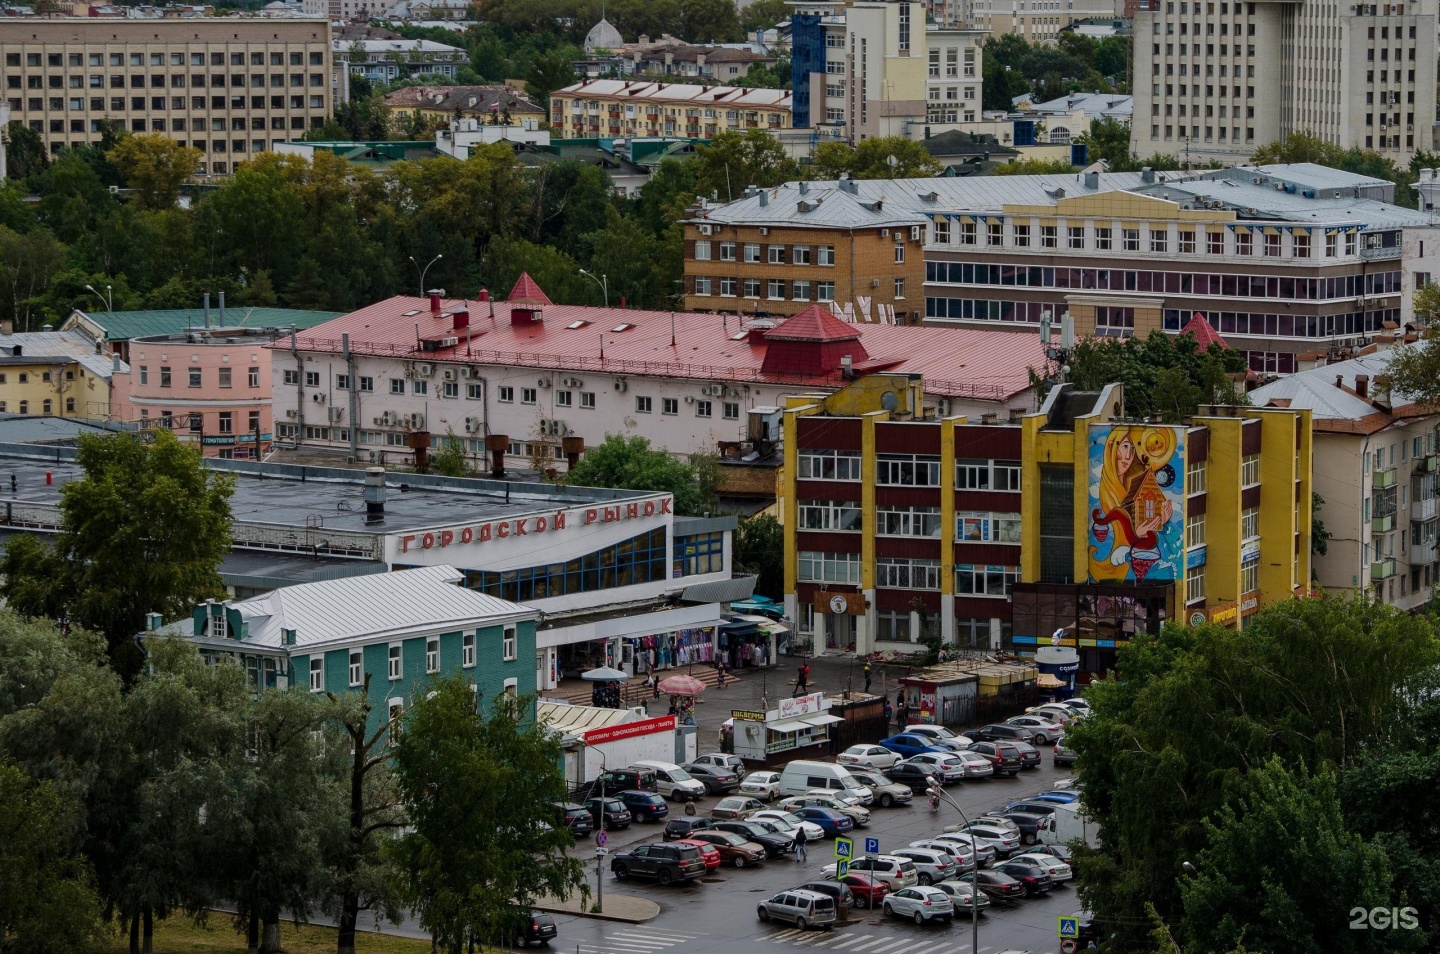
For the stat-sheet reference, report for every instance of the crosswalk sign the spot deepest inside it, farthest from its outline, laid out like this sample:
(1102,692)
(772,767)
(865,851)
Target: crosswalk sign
(845,848)
(842,869)
(1068,927)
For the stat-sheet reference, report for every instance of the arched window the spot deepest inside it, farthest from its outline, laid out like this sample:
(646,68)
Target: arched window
(1060,134)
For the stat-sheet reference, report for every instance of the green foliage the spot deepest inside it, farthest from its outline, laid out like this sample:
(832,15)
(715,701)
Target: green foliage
(1319,536)
(1033,167)
(1161,374)
(1109,139)
(449,458)
(733,161)
(882,157)
(760,549)
(473,875)
(1415,368)
(1014,67)
(763,14)
(630,463)
(1305,147)
(154,167)
(25,151)
(776,76)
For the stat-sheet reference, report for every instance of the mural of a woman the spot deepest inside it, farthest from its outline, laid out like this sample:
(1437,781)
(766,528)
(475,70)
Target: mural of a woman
(1130,509)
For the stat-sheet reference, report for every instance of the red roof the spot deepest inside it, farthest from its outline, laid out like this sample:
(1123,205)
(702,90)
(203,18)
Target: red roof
(814,324)
(982,364)
(528,292)
(1204,332)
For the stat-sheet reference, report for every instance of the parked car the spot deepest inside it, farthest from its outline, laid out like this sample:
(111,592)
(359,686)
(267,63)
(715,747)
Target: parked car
(875,756)
(540,929)
(1032,876)
(968,900)
(930,866)
(997,885)
(982,851)
(912,775)
(905,745)
(1004,756)
(644,806)
(615,815)
(1078,704)
(789,822)
(1055,712)
(800,908)
(884,791)
(773,843)
(666,862)
(736,806)
(962,855)
(624,779)
(937,733)
(957,746)
(946,766)
(1032,806)
(682,826)
(922,904)
(576,817)
(868,891)
(1029,754)
(892,871)
(1027,823)
(1005,842)
(717,780)
(831,822)
(725,760)
(762,785)
(1058,796)
(999,821)
(708,852)
(1059,871)
(1045,731)
(759,606)
(1057,850)
(1064,757)
(1002,732)
(859,814)
(976,765)
(838,890)
(735,849)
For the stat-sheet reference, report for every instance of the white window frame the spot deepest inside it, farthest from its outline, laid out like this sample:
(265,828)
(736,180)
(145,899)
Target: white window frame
(987,576)
(842,465)
(904,573)
(1196,478)
(317,673)
(357,667)
(467,651)
(1250,471)
(1195,584)
(395,661)
(432,654)
(509,647)
(830,515)
(906,521)
(815,566)
(923,470)
(988,527)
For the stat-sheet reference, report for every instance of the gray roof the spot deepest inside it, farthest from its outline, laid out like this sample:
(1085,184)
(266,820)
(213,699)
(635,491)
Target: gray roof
(35,429)
(395,604)
(1315,390)
(821,204)
(1310,175)
(1093,104)
(71,344)
(1270,203)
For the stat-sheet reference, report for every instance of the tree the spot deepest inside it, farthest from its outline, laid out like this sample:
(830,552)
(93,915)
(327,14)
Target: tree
(763,14)
(473,875)
(1161,374)
(29,264)
(731,162)
(449,458)
(47,894)
(549,72)
(25,154)
(155,167)
(882,157)
(1415,369)
(1319,536)
(1033,167)
(772,76)
(143,531)
(630,463)
(760,549)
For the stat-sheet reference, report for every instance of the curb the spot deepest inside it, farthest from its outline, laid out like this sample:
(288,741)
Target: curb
(620,918)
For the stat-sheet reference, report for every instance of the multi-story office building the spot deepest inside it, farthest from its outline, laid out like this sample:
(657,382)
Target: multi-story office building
(952,76)
(58,373)
(1038,21)
(1072,526)
(781,250)
(642,108)
(1376,471)
(385,61)
(1215,80)
(229,87)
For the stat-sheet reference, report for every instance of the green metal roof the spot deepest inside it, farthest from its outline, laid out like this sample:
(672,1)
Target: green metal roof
(124,325)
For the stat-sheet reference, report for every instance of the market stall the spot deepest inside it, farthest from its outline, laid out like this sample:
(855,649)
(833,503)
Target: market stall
(795,727)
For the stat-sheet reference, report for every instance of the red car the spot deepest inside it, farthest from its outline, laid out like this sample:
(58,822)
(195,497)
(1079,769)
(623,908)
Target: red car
(868,892)
(708,852)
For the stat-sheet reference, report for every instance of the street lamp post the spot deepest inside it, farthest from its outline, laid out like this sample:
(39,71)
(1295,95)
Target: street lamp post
(935,790)
(108,298)
(422,271)
(603,281)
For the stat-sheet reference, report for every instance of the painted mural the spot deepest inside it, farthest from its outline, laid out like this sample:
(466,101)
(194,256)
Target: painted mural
(1137,502)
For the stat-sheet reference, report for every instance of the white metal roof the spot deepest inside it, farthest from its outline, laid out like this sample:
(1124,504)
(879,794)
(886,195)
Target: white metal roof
(648,91)
(72,343)
(575,719)
(1314,390)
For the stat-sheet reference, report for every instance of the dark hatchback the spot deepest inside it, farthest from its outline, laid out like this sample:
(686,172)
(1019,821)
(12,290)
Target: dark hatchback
(915,777)
(1001,732)
(773,843)
(616,814)
(1004,756)
(1034,878)
(996,885)
(684,827)
(644,806)
(1029,755)
(844,897)
(1027,822)
(540,930)
(576,818)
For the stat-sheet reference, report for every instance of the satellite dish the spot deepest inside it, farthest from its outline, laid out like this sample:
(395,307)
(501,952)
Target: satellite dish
(889,400)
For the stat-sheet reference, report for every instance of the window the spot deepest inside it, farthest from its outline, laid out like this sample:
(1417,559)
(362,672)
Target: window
(253,377)
(1243,243)
(317,673)
(1075,236)
(824,291)
(1195,478)
(775,289)
(731,411)
(1250,471)
(473,392)
(828,465)
(752,253)
(899,254)
(144,375)
(827,255)
(899,288)
(975,580)
(1130,239)
(1250,574)
(227,422)
(508,648)
(830,515)
(752,288)
(1159,241)
(699,553)
(397,386)
(1022,236)
(1102,238)
(164,377)
(1250,523)
(775,255)
(1114,320)
(816,567)
(800,255)
(704,409)
(1195,531)
(396,659)
(908,470)
(254,421)
(312,379)
(907,574)
(419,387)
(644,405)
(467,651)
(432,654)
(902,521)
(728,287)
(1186,241)
(357,667)
(981,527)
(1195,584)
(987,475)
(527,396)
(727,251)
(800,291)
(669,405)
(564,398)
(702,251)
(1047,236)
(587,399)
(1302,244)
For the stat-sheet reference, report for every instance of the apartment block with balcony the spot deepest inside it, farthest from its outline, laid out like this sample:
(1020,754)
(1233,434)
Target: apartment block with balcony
(1376,469)
(230,88)
(641,108)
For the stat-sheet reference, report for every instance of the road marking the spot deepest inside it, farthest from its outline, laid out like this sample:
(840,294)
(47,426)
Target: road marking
(932,948)
(626,937)
(870,943)
(848,941)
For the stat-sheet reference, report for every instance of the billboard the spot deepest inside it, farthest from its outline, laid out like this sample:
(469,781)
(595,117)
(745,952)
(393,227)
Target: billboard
(1137,503)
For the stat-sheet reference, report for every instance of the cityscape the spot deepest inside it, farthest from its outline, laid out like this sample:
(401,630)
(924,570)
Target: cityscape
(719,477)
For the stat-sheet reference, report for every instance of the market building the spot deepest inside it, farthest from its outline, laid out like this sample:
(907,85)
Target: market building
(597,739)
(1072,526)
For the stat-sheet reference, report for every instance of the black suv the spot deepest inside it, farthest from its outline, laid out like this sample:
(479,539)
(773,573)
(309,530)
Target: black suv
(644,806)
(1005,757)
(576,818)
(1002,732)
(616,814)
(665,863)
(684,827)
(916,776)
(773,842)
(541,929)
(620,780)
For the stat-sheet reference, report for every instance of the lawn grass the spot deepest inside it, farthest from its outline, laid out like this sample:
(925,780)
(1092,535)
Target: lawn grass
(180,935)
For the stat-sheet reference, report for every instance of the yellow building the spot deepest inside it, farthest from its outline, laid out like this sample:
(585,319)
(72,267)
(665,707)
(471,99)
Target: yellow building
(59,373)
(644,108)
(1063,531)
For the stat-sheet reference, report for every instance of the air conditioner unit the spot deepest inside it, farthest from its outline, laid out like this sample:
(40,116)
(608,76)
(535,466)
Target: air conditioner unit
(292,414)
(374,457)
(449,342)
(471,425)
(731,392)
(689,399)
(336,413)
(942,407)
(318,397)
(764,231)
(380,420)
(409,372)
(874,283)
(426,370)
(467,373)
(704,230)
(389,419)
(915,232)
(417,421)
(449,374)
(543,383)
(620,384)
(884,233)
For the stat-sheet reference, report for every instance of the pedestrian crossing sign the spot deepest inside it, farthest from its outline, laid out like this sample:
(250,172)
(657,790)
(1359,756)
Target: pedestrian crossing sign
(842,869)
(1068,927)
(845,848)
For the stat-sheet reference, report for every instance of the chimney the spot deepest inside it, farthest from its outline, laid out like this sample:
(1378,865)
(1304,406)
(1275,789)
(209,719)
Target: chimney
(1339,380)
(804,187)
(462,318)
(1147,174)
(572,448)
(1092,180)
(222,309)
(207,309)
(153,622)
(764,199)
(115,363)
(847,366)
(990,418)
(374,495)
(1362,384)
(435,294)
(1382,391)
(497,444)
(484,295)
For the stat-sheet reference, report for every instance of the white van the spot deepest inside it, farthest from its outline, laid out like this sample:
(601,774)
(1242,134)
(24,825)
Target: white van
(801,777)
(674,782)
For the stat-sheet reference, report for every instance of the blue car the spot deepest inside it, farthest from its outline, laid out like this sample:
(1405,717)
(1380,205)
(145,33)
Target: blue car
(645,806)
(906,745)
(1058,797)
(832,822)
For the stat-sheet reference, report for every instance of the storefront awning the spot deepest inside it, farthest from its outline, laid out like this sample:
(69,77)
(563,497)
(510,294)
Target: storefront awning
(720,591)
(789,726)
(823,718)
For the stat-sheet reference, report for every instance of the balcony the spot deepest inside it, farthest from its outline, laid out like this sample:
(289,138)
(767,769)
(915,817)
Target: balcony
(1384,478)
(1427,465)
(1422,510)
(1378,254)
(1382,569)
(1383,524)
(1422,553)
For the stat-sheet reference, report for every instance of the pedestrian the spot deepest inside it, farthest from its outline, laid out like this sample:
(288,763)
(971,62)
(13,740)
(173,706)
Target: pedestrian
(889,713)
(805,677)
(867,677)
(800,840)
(799,680)
(720,675)
(655,684)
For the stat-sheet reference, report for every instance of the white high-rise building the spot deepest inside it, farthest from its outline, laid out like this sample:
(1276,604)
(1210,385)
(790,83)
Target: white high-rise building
(1216,79)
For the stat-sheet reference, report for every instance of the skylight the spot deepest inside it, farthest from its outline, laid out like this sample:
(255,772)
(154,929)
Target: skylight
(581,323)
(413,311)
(740,336)
(623,326)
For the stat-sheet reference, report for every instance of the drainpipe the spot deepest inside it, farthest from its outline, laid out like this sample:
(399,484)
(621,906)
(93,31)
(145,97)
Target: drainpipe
(354,396)
(855,303)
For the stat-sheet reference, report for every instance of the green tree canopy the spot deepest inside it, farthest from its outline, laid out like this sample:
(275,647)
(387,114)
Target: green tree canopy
(155,166)
(630,463)
(1415,369)
(760,549)
(731,162)
(1161,374)
(1033,167)
(881,157)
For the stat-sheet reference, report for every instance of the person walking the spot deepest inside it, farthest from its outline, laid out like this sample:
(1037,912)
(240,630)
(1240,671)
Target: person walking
(800,841)
(867,677)
(799,680)
(805,677)
(720,674)
(655,684)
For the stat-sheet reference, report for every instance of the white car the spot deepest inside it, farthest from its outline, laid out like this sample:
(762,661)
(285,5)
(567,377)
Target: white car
(922,904)
(813,832)
(858,814)
(1004,841)
(934,732)
(1046,732)
(948,767)
(762,785)
(875,756)
(962,854)
(1078,704)
(983,851)
(966,897)
(895,873)
(976,765)
(1058,870)
(930,866)
(722,760)
(1054,712)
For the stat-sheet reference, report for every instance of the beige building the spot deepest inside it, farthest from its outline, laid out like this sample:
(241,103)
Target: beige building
(1216,80)
(952,76)
(1038,21)
(229,87)
(644,108)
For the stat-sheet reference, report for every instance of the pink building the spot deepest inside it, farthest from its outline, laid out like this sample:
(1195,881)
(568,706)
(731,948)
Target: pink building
(211,386)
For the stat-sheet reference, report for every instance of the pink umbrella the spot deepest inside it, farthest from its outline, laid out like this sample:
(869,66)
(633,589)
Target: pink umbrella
(681,686)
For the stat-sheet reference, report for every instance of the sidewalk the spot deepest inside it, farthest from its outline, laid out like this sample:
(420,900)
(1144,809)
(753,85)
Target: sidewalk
(618,907)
